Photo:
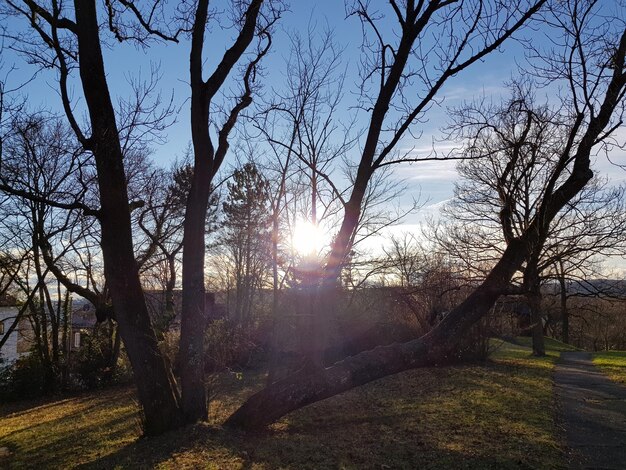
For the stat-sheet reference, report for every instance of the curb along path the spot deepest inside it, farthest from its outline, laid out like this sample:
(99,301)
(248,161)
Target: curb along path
(593,412)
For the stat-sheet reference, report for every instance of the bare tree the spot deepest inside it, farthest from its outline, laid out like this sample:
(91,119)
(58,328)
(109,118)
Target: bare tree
(518,146)
(161,222)
(512,151)
(252,20)
(306,132)
(39,160)
(593,228)
(245,239)
(597,104)
(68,39)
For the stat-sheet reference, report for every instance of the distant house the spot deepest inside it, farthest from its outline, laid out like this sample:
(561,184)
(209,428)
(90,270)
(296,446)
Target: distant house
(155,301)
(82,321)
(84,314)
(19,340)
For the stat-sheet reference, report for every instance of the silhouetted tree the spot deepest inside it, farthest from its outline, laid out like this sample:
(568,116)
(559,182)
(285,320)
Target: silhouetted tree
(69,39)
(253,20)
(592,110)
(512,151)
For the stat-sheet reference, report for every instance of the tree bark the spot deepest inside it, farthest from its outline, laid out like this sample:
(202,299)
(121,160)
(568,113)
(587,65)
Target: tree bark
(207,161)
(312,384)
(155,389)
(532,285)
(564,310)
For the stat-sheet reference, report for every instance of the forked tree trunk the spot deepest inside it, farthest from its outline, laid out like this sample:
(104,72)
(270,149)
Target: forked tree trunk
(194,397)
(207,160)
(155,389)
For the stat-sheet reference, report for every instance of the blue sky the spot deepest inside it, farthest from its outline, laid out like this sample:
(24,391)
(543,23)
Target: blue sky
(124,60)
(431,181)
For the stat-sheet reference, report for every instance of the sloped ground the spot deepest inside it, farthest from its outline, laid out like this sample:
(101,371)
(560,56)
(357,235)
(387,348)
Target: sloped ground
(498,415)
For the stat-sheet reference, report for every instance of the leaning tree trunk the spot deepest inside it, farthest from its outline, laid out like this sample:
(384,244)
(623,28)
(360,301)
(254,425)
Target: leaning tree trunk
(154,386)
(312,384)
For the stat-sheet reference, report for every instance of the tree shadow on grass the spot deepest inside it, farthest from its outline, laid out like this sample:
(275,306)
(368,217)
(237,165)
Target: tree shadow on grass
(204,447)
(417,419)
(65,432)
(148,452)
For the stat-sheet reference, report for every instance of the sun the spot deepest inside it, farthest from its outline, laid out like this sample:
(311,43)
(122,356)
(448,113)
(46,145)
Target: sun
(308,238)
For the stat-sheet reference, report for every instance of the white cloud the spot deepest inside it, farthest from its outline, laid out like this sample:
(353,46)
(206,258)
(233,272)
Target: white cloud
(465,93)
(428,171)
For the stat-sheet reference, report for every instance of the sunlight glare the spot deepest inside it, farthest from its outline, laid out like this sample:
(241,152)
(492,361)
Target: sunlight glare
(308,238)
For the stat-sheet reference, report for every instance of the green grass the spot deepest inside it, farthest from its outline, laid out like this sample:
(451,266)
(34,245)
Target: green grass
(553,346)
(613,364)
(498,415)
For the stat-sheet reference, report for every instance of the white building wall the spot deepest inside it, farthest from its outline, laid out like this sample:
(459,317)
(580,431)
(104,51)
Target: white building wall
(9,349)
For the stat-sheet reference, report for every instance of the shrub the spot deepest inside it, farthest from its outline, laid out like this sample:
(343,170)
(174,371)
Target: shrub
(92,364)
(227,346)
(25,378)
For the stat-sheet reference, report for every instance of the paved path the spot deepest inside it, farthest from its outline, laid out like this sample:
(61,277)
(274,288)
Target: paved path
(593,412)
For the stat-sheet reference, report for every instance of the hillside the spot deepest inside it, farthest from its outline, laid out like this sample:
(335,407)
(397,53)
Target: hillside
(496,415)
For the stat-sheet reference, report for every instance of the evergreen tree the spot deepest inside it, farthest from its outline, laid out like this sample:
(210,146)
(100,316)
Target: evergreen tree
(246,238)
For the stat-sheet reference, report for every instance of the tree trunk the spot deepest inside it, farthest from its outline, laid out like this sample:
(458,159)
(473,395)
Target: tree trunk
(321,283)
(194,394)
(67,305)
(170,308)
(194,397)
(312,384)
(532,286)
(534,302)
(206,163)
(564,310)
(274,351)
(155,389)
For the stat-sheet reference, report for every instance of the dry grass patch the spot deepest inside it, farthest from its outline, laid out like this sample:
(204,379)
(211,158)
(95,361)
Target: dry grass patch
(498,415)
(67,432)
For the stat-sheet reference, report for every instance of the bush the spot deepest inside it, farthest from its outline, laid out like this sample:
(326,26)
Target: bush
(25,378)
(228,346)
(92,364)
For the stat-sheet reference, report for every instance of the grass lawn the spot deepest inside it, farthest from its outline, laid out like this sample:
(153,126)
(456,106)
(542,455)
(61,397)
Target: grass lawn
(497,415)
(553,346)
(613,364)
